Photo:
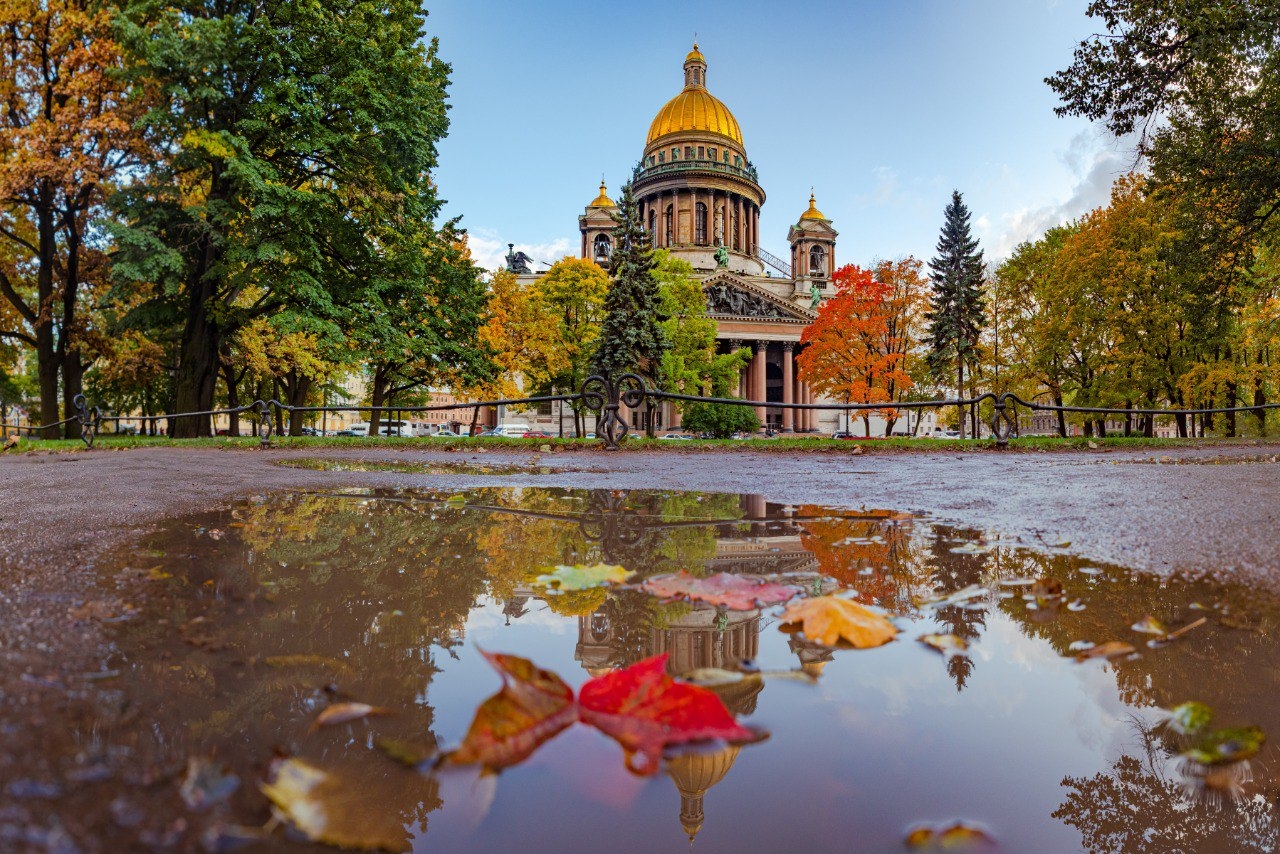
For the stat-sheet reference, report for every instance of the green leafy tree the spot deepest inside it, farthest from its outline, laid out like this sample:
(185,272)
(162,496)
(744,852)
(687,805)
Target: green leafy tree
(692,365)
(296,144)
(956,306)
(570,298)
(423,330)
(1199,83)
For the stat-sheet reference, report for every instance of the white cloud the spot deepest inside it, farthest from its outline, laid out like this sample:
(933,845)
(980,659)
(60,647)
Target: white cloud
(490,252)
(1096,162)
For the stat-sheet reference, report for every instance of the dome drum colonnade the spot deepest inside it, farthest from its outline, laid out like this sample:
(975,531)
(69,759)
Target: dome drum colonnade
(697,191)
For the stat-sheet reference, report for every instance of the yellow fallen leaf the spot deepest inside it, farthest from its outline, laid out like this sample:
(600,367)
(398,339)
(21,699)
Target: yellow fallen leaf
(830,619)
(328,808)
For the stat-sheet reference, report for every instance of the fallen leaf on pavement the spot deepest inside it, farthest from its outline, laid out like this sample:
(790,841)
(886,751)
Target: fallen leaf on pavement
(579,577)
(327,809)
(533,706)
(341,713)
(830,619)
(645,710)
(736,592)
(1108,650)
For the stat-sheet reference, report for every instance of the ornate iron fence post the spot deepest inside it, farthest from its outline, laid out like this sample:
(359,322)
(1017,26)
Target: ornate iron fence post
(605,396)
(1004,419)
(264,422)
(90,419)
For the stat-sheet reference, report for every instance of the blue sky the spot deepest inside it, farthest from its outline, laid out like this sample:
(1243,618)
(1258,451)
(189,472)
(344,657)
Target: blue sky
(882,106)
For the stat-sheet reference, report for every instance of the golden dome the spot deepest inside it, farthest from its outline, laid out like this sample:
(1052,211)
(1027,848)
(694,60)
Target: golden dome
(812,212)
(695,109)
(602,200)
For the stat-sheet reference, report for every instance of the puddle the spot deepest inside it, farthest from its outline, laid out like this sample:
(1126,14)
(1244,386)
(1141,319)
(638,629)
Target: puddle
(259,619)
(435,468)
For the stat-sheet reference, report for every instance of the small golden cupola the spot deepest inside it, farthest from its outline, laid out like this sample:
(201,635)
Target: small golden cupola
(812,212)
(602,200)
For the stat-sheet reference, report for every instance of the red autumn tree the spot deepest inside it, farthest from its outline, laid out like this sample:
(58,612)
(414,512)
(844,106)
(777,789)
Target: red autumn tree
(849,352)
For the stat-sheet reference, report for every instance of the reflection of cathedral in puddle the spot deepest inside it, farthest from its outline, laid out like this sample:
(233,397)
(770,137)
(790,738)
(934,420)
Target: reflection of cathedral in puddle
(702,636)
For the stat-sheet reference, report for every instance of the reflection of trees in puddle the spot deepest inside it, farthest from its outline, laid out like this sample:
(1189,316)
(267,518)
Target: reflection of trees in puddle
(1142,804)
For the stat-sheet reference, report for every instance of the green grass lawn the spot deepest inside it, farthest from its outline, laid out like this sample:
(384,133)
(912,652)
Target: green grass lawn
(1035,443)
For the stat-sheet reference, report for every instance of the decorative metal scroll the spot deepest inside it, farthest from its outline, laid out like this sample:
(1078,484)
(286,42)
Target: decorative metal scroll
(90,419)
(1003,420)
(606,396)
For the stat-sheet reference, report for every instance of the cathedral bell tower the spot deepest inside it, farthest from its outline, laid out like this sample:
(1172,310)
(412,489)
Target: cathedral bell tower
(597,226)
(813,252)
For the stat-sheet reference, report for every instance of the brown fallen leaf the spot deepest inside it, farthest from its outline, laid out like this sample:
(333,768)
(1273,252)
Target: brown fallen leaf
(533,706)
(948,645)
(341,713)
(830,619)
(1108,650)
(11,442)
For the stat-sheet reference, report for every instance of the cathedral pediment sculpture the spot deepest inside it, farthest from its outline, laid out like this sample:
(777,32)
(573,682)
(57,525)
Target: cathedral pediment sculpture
(724,298)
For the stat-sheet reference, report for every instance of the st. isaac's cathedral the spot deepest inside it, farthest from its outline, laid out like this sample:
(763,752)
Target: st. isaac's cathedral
(700,198)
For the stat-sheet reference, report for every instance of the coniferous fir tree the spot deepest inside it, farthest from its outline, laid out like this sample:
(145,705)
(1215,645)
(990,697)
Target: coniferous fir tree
(631,337)
(956,305)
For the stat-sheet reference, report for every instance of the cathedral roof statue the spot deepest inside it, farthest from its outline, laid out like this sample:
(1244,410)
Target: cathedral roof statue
(695,110)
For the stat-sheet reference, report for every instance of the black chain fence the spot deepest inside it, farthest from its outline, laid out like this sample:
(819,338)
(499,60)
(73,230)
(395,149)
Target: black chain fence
(605,397)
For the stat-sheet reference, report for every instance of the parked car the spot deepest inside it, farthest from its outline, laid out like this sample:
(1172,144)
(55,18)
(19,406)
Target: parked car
(487,433)
(945,434)
(843,434)
(535,434)
(445,433)
(359,429)
(677,436)
(511,431)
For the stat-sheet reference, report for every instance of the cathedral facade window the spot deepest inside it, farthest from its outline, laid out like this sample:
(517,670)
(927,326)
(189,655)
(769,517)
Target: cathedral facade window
(700,224)
(668,226)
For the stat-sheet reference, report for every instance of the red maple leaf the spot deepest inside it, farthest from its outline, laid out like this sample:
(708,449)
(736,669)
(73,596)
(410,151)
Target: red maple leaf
(644,710)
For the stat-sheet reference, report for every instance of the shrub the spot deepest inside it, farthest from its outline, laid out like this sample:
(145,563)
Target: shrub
(720,420)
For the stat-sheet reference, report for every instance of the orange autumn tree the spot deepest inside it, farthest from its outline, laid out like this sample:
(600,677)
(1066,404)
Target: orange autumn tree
(849,353)
(68,136)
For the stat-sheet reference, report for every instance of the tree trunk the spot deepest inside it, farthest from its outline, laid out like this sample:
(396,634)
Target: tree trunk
(297,388)
(475,419)
(197,365)
(233,392)
(1062,416)
(1233,394)
(960,393)
(1128,419)
(1181,419)
(68,356)
(1260,400)
(378,398)
(46,347)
